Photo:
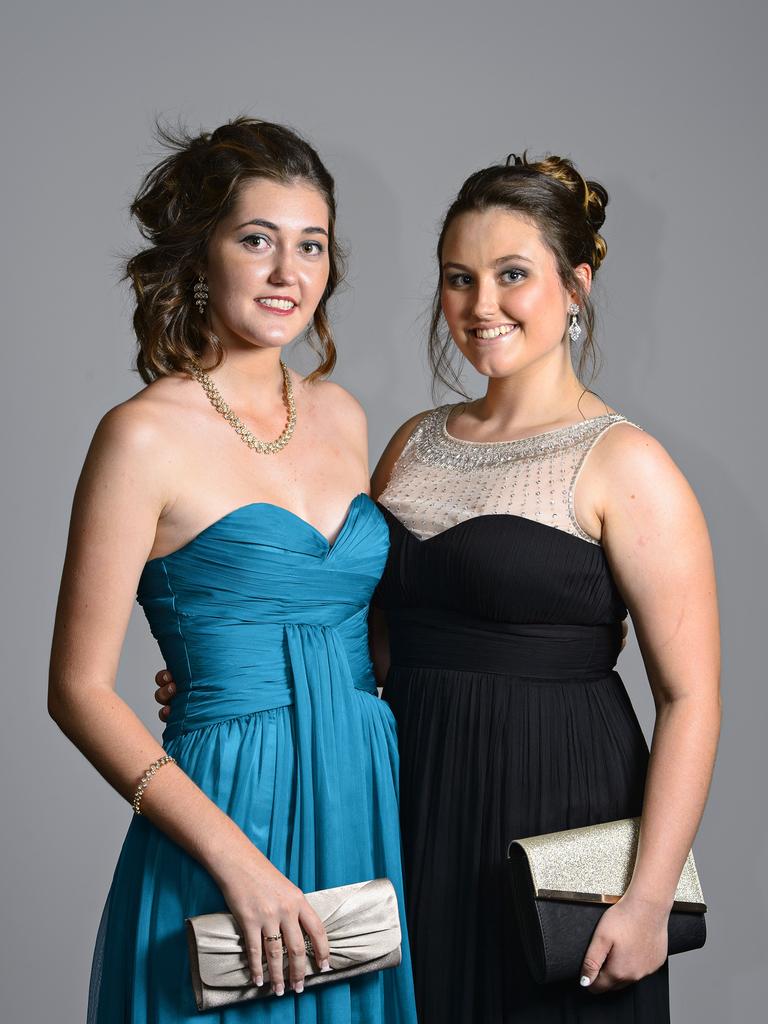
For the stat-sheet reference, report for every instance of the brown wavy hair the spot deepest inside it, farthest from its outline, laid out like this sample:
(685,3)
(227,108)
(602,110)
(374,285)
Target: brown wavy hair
(179,204)
(568,211)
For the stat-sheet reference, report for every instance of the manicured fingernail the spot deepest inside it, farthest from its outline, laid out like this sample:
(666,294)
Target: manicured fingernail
(299,986)
(279,990)
(584,981)
(166,676)
(324,966)
(258,982)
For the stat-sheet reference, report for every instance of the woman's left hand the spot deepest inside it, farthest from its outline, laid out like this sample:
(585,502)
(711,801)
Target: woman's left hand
(629,943)
(165,692)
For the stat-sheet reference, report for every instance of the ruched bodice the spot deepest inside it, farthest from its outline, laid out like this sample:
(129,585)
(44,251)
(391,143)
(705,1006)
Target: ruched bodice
(235,607)
(450,599)
(263,623)
(557,578)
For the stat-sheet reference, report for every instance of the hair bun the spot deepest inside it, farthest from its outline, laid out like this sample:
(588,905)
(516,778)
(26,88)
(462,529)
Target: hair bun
(591,194)
(597,200)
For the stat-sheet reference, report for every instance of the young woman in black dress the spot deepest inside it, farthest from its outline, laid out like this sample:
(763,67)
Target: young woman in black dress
(523,525)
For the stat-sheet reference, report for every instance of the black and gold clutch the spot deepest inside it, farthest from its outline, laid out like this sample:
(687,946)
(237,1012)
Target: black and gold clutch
(563,882)
(363,927)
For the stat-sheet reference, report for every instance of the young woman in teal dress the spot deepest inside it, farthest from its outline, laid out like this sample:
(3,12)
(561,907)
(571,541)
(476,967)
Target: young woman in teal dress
(254,563)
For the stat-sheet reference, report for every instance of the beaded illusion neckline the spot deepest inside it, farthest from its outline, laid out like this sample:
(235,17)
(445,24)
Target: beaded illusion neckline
(441,480)
(437,444)
(592,420)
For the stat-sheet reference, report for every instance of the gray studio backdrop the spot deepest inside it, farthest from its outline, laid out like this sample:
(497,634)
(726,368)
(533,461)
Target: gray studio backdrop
(663,102)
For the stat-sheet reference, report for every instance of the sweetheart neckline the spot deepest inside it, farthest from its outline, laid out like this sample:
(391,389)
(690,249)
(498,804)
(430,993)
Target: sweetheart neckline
(488,515)
(329,544)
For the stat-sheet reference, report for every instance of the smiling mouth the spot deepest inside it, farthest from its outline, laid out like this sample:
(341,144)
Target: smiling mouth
(277,305)
(489,333)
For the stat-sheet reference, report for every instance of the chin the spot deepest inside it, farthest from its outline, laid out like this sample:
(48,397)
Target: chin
(494,364)
(261,339)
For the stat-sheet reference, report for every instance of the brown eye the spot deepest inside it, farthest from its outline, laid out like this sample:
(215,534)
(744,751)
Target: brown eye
(256,241)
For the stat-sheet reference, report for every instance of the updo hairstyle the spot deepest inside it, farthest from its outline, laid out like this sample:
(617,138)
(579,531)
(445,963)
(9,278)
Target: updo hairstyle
(568,211)
(178,206)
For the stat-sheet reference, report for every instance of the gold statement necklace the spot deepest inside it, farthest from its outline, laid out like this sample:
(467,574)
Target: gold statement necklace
(245,435)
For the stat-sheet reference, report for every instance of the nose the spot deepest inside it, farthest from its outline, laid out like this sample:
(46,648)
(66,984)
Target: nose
(485,302)
(284,267)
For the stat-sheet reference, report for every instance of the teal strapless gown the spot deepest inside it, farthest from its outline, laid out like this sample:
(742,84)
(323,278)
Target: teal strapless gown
(264,626)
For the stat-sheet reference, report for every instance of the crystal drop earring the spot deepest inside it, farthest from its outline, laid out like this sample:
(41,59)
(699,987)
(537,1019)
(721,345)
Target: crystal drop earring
(574,331)
(201,294)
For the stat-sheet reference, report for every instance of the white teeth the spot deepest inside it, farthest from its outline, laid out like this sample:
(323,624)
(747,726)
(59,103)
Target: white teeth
(278,303)
(494,332)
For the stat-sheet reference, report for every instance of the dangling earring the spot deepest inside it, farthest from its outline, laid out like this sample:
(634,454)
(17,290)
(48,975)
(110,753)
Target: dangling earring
(201,294)
(574,331)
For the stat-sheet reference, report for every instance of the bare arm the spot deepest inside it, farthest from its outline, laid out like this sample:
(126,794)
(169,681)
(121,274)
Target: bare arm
(657,544)
(119,499)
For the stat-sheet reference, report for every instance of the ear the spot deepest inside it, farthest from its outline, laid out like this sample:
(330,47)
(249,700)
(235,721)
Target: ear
(583,273)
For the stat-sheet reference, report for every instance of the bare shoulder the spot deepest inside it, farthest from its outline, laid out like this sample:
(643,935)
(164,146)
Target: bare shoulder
(628,454)
(333,398)
(337,411)
(639,492)
(137,443)
(138,424)
(393,451)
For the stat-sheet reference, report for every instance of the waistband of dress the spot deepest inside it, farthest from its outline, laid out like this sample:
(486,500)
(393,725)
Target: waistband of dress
(427,638)
(197,709)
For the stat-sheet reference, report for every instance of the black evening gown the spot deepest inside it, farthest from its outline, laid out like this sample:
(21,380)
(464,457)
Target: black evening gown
(504,633)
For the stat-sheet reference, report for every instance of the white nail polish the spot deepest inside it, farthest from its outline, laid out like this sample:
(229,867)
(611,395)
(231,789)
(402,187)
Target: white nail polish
(584,981)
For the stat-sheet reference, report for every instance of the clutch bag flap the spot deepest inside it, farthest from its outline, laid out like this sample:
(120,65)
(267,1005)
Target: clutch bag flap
(594,865)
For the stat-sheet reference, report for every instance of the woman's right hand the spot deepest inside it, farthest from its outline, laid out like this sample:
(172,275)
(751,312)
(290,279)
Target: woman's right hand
(264,902)
(272,912)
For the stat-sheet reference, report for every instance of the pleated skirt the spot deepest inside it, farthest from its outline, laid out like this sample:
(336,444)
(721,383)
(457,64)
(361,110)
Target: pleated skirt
(486,758)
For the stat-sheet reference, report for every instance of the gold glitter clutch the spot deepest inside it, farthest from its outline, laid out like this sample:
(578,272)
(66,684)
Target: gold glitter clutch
(362,923)
(564,881)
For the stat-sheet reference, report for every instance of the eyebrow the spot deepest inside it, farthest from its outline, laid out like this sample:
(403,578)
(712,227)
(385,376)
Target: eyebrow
(501,259)
(273,227)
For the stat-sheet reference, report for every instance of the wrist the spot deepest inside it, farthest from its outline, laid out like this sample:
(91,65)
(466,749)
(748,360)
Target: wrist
(652,900)
(227,852)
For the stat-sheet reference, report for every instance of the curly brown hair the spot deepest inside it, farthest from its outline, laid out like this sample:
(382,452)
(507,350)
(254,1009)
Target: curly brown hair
(179,204)
(568,210)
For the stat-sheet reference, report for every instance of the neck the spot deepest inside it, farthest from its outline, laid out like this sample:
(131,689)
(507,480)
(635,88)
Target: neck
(538,396)
(247,370)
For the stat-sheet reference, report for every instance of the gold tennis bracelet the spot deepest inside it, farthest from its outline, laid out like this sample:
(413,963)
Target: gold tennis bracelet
(146,777)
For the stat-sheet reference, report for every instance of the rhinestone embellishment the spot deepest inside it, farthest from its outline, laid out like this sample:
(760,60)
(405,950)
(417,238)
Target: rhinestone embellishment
(436,447)
(441,480)
(574,330)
